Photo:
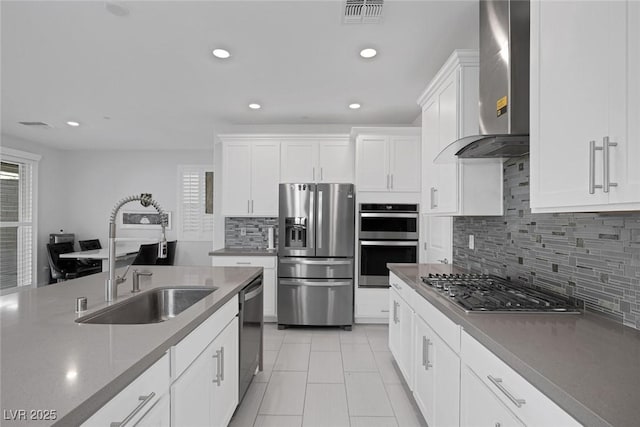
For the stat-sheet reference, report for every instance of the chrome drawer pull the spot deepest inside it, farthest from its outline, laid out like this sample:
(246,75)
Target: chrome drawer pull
(606,181)
(218,356)
(145,399)
(426,342)
(592,167)
(395,285)
(498,383)
(243,263)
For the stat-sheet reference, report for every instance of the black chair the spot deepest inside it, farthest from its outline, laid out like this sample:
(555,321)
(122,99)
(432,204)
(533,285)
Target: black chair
(171,254)
(65,269)
(147,255)
(89,245)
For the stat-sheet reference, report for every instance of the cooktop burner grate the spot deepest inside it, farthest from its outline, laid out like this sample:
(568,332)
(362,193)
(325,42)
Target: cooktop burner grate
(484,293)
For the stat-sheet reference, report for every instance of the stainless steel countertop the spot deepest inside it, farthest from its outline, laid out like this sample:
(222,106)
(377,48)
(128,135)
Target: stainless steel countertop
(243,252)
(48,361)
(587,364)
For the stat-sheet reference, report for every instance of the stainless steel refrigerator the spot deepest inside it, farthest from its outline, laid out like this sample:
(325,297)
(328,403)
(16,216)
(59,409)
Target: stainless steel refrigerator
(315,255)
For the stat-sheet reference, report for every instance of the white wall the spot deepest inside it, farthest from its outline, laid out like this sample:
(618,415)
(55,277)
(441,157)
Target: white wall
(78,189)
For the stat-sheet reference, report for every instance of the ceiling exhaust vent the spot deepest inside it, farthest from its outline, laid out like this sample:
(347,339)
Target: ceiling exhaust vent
(363,11)
(35,124)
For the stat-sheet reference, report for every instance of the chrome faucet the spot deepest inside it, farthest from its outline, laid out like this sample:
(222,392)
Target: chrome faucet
(111,285)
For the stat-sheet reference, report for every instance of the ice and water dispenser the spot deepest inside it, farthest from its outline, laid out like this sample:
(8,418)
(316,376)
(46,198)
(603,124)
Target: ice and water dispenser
(295,232)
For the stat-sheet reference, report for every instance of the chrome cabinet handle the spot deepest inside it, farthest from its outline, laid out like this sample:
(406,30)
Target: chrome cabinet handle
(498,383)
(395,312)
(221,363)
(384,311)
(243,263)
(592,167)
(321,175)
(395,285)
(145,399)
(391,182)
(434,204)
(426,342)
(248,206)
(313,174)
(251,205)
(218,356)
(606,180)
(387,181)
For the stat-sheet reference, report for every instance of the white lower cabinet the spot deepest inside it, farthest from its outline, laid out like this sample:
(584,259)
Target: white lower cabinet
(401,328)
(437,377)
(372,305)
(268,263)
(480,407)
(517,396)
(144,402)
(205,365)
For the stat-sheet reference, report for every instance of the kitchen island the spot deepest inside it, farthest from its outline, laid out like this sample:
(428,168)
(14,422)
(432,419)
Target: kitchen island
(586,364)
(51,363)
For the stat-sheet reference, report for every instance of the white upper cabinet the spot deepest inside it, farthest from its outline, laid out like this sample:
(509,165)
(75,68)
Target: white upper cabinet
(318,159)
(450,112)
(250,176)
(387,159)
(585,106)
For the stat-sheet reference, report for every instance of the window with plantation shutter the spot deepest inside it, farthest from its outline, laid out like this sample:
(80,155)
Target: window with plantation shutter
(195,202)
(18,178)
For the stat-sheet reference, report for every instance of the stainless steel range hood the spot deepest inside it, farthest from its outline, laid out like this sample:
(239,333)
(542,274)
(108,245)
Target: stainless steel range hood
(504,85)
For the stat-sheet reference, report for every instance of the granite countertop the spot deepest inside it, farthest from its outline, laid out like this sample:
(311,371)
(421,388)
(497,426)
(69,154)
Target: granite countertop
(243,252)
(50,362)
(587,364)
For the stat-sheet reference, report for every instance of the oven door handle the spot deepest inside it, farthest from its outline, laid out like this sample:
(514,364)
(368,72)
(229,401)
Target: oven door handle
(387,215)
(388,243)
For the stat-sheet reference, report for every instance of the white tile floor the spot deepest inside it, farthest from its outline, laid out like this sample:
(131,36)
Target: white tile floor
(327,378)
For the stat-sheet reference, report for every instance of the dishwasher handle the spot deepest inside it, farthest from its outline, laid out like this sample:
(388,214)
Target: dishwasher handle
(252,290)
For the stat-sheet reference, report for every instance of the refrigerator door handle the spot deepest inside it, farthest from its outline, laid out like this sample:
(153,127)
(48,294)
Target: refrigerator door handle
(302,282)
(320,221)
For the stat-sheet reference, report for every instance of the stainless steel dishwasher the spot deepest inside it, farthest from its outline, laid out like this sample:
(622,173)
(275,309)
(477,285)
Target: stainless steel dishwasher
(251,325)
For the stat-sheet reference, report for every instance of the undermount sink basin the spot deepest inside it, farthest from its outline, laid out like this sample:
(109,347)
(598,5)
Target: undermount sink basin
(154,306)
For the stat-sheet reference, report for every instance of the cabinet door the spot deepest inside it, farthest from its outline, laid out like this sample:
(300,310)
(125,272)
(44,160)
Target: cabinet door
(479,406)
(430,149)
(336,162)
(569,99)
(438,239)
(404,163)
(372,167)
(265,177)
(299,161)
(445,196)
(437,377)
(236,180)
(224,393)
(394,324)
(191,392)
(625,129)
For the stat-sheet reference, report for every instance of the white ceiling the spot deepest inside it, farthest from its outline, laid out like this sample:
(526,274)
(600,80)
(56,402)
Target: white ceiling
(148,80)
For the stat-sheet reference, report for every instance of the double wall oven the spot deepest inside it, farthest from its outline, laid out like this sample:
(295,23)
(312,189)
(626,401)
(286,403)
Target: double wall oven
(387,233)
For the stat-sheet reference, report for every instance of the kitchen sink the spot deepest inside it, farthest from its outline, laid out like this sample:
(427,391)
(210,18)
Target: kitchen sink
(154,306)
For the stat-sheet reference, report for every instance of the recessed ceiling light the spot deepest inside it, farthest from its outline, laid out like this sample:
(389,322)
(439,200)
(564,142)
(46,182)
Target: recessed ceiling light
(354,106)
(73,124)
(221,53)
(368,53)
(255,106)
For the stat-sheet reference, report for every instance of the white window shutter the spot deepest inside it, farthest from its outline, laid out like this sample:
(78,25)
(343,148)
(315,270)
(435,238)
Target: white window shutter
(194,224)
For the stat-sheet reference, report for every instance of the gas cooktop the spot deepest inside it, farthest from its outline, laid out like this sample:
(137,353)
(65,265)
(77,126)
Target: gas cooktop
(490,294)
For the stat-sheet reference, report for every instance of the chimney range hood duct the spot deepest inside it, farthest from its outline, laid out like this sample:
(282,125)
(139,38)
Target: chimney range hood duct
(504,85)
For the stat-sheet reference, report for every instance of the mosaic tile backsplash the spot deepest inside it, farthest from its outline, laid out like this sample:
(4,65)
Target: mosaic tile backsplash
(256,232)
(592,256)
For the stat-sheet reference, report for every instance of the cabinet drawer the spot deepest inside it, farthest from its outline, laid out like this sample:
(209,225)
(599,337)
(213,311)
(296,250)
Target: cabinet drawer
(186,351)
(244,261)
(404,290)
(526,401)
(445,327)
(372,303)
(137,398)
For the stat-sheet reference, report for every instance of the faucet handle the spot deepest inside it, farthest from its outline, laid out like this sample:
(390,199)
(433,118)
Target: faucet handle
(136,279)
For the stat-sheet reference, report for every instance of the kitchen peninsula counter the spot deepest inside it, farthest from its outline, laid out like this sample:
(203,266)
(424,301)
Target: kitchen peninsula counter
(50,362)
(587,364)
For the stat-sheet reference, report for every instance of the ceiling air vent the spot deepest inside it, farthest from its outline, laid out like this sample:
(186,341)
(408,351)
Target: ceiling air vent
(363,11)
(35,124)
